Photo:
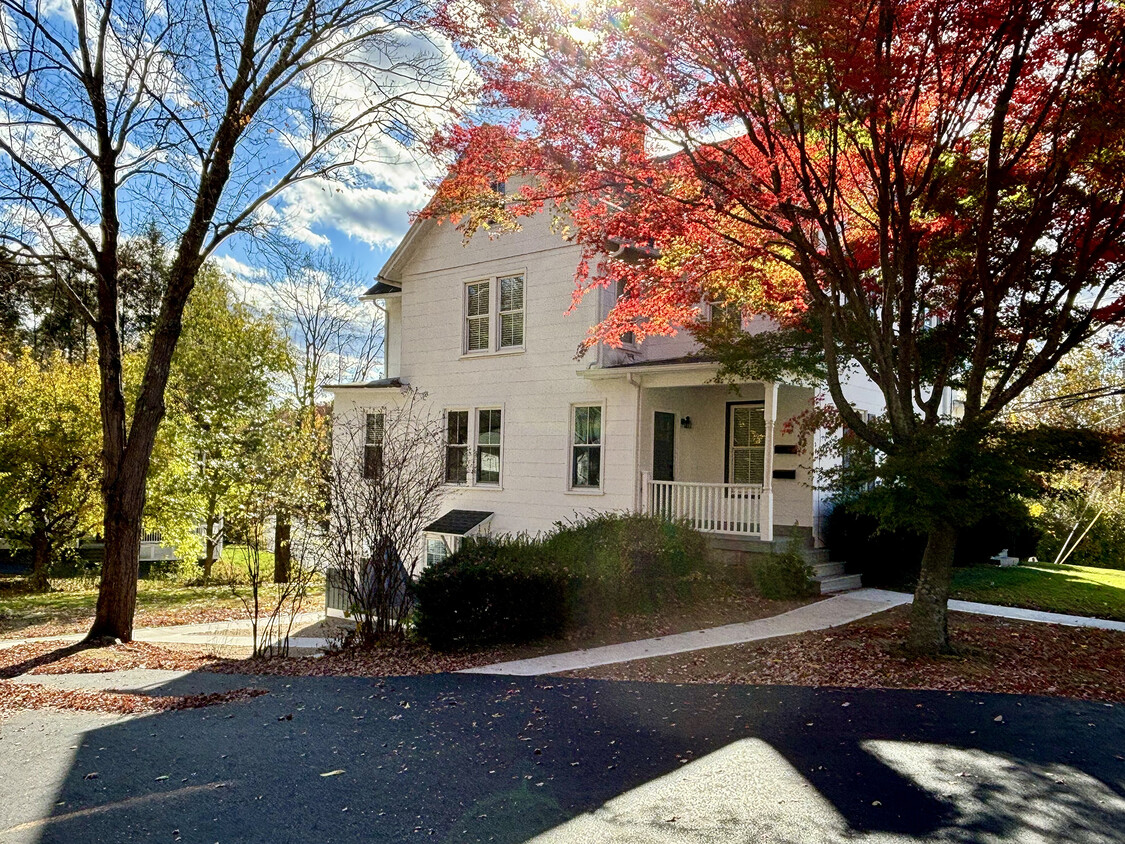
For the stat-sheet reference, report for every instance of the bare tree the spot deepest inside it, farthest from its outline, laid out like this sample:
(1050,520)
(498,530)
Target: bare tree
(194,114)
(387,484)
(337,338)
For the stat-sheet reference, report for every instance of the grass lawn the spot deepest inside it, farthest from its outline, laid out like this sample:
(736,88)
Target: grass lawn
(1078,590)
(69,607)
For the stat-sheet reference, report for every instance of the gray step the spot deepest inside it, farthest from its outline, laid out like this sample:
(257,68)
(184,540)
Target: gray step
(840,583)
(816,556)
(823,570)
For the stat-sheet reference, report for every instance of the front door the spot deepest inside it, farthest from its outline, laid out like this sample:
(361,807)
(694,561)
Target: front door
(746,443)
(663,446)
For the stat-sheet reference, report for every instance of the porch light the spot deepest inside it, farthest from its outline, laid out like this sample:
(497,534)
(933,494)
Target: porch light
(685,422)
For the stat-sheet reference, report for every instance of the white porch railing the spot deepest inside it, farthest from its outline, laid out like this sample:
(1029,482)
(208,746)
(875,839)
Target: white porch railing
(710,508)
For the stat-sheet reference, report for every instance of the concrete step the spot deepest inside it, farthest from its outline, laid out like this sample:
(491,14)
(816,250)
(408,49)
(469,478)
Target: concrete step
(816,556)
(823,570)
(840,583)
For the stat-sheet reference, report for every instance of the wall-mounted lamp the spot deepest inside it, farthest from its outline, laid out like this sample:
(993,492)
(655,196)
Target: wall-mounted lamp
(685,422)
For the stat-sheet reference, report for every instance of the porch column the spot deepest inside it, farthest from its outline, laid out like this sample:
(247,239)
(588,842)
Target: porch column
(771,422)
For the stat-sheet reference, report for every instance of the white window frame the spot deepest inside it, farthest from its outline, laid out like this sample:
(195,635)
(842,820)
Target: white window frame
(493,320)
(451,541)
(473,435)
(570,444)
(468,446)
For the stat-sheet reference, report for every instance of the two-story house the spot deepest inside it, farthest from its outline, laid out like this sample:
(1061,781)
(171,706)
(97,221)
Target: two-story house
(534,436)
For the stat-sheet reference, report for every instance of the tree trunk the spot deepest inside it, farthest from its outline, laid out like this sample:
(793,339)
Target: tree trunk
(929,627)
(209,551)
(117,593)
(40,561)
(281,550)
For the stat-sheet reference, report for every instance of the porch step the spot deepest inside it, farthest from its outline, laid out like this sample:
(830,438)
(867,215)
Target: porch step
(824,570)
(839,583)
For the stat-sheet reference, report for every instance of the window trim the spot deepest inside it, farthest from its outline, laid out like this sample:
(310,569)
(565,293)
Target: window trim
(473,411)
(451,541)
(493,321)
(570,445)
(468,447)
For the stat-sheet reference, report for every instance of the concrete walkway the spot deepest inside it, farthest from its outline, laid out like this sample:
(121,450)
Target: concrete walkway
(842,609)
(216,633)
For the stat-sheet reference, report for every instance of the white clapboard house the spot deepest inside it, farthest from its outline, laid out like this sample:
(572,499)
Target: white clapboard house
(534,436)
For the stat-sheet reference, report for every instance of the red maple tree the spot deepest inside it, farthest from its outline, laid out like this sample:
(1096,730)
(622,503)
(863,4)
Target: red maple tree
(936,188)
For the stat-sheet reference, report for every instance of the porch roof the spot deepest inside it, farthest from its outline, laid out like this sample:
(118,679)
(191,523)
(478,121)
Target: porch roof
(377,384)
(693,363)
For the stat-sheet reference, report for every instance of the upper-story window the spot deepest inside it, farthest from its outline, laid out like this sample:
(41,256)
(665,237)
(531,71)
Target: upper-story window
(494,314)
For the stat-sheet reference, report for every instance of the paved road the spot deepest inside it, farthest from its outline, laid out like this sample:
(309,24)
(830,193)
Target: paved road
(472,758)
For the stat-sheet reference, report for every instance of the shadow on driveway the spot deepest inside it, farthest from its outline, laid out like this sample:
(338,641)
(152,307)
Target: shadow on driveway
(474,758)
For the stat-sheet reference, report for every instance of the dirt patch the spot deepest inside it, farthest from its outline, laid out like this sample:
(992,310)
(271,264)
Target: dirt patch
(994,655)
(144,618)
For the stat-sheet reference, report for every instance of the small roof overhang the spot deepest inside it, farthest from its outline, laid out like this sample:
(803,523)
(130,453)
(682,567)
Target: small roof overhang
(377,384)
(459,522)
(381,290)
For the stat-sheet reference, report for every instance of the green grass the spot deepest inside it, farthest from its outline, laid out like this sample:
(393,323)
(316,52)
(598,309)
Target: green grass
(69,606)
(1078,590)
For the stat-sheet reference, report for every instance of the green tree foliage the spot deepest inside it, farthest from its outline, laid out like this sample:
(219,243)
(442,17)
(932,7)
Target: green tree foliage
(220,394)
(49,455)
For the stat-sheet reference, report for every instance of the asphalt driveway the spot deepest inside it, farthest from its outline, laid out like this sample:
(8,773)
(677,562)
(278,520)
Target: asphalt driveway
(470,758)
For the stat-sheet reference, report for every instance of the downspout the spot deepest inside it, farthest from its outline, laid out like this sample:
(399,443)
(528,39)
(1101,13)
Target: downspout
(638,479)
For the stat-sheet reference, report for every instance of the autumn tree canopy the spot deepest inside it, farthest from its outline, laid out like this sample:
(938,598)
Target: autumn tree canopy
(930,193)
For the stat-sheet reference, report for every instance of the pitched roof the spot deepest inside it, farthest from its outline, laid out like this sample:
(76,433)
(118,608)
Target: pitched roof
(458,522)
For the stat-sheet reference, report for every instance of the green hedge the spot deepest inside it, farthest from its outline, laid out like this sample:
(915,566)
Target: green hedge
(784,577)
(517,589)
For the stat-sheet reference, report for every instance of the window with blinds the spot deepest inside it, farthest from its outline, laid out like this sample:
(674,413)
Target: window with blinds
(495,314)
(477,307)
(373,445)
(747,447)
(511,311)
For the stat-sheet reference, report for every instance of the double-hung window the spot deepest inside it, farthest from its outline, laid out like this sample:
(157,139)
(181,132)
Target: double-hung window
(494,314)
(586,447)
(374,430)
(473,438)
(457,447)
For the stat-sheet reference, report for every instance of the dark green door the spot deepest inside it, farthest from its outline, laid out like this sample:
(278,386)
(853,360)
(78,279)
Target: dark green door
(663,446)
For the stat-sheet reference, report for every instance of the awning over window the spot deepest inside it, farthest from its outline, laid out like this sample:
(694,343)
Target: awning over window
(459,522)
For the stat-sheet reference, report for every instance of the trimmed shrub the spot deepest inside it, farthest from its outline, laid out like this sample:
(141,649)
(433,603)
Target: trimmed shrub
(517,589)
(784,577)
(490,591)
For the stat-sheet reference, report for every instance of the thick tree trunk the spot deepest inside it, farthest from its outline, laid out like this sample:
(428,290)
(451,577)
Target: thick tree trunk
(117,593)
(281,549)
(40,561)
(929,627)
